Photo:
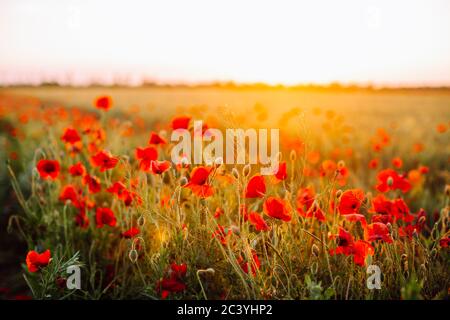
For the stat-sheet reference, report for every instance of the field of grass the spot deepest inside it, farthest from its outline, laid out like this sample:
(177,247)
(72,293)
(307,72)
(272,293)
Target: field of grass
(367,183)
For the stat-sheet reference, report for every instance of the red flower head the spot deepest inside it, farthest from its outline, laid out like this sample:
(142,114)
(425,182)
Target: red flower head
(397,162)
(104,160)
(118,188)
(361,249)
(390,180)
(351,201)
(305,199)
(178,270)
(159,167)
(314,211)
(70,136)
(344,243)
(277,208)
(377,231)
(48,169)
(69,192)
(77,170)
(82,220)
(254,265)
(35,260)
(130,233)
(222,234)
(173,283)
(373,164)
(256,187)
(93,183)
(281,174)
(257,221)
(180,122)
(347,246)
(198,182)
(444,241)
(105,216)
(156,139)
(146,156)
(103,103)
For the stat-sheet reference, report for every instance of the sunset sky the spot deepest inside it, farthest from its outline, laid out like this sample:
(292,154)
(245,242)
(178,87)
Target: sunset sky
(382,42)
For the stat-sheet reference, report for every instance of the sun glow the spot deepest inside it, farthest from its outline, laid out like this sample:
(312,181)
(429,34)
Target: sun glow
(289,42)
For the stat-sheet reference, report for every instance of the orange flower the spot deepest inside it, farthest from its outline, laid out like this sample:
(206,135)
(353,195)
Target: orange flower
(390,180)
(156,139)
(104,160)
(198,182)
(146,156)
(105,216)
(351,201)
(257,221)
(441,128)
(35,260)
(277,208)
(159,167)
(48,169)
(397,162)
(103,103)
(256,187)
(181,122)
(70,136)
(281,174)
(77,170)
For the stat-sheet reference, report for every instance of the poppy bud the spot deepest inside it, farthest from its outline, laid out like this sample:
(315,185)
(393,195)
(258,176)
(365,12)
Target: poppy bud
(141,220)
(447,190)
(293,155)
(422,220)
(389,225)
(279,156)
(390,181)
(235,173)
(415,234)
(314,268)
(338,193)
(246,170)
(133,255)
(183,181)
(341,164)
(315,250)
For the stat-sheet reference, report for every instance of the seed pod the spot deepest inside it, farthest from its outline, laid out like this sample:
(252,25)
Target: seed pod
(235,173)
(315,250)
(390,181)
(133,255)
(183,181)
(341,164)
(293,155)
(141,220)
(246,170)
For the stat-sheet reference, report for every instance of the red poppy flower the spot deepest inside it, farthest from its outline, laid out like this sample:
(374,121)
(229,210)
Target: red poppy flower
(178,270)
(390,180)
(35,260)
(130,233)
(181,122)
(305,199)
(69,192)
(221,234)
(351,201)
(70,136)
(257,221)
(77,170)
(277,208)
(159,167)
(373,164)
(444,242)
(103,102)
(361,249)
(397,162)
(174,282)
(198,182)
(48,169)
(105,216)
(355,217)
(377,231)
(156,139)
(344,243)
(146,156)
(104,160)
(256,187)
(281,174)
(218,213)
(82,220)
(93,183)
(314,211)
(254,265)
(347,246)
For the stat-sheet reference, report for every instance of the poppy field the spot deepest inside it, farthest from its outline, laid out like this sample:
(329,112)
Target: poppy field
(87,181)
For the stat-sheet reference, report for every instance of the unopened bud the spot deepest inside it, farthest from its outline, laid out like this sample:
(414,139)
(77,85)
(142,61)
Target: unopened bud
(211,271)
(341,164)
(390,181)
(447,190)
(235,173)
(315,250)
(338,193)
(141,220)
(218,161)
(133,255)
(246,170)
(389,225)
(235,230)
(183,181)
(293,155)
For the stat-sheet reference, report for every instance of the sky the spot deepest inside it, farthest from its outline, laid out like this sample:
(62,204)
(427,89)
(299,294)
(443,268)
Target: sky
(385,42)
